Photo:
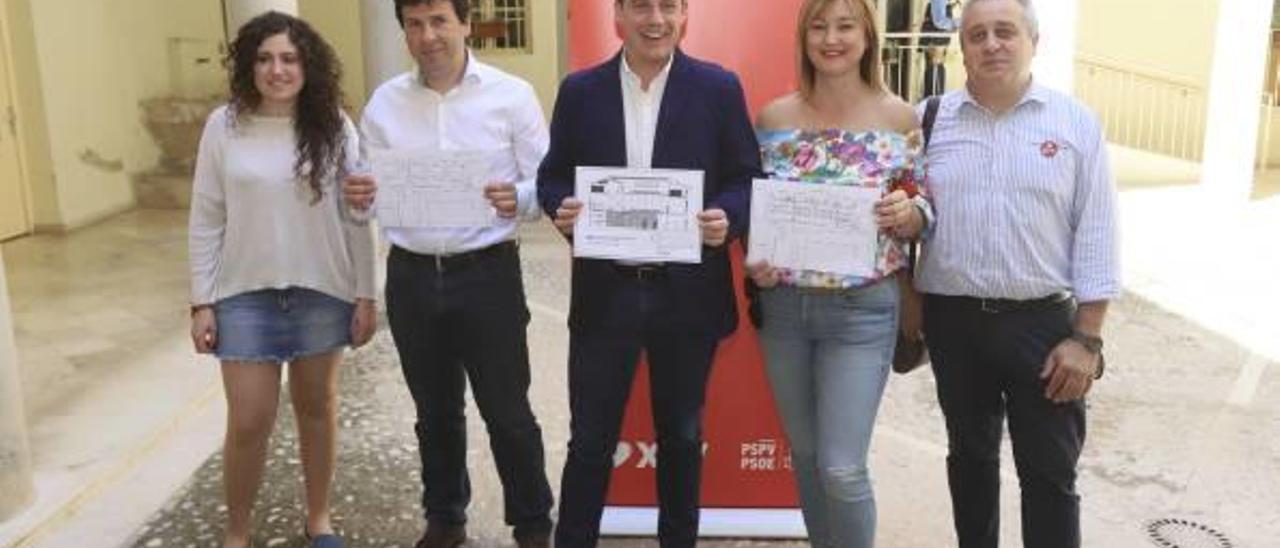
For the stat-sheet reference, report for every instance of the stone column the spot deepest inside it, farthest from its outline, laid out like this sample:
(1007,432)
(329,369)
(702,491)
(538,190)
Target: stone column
(239,12)
(384,50)
(1235,98)
(16,487)
(1055,62)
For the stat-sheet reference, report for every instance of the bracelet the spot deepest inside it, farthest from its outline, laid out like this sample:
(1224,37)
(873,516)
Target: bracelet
(1092,343)
(198,307)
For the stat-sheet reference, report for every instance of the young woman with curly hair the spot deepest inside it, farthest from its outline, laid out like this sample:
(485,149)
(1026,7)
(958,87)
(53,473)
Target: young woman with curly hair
(280,271)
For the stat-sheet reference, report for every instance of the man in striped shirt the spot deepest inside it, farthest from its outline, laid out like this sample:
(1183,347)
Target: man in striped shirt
(1017,277)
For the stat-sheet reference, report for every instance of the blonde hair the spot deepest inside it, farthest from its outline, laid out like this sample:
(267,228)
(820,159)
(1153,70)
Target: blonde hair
(868,67)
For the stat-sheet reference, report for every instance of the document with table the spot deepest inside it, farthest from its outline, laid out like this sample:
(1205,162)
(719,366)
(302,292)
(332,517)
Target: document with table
(814,226)
(641,215)
(421,188)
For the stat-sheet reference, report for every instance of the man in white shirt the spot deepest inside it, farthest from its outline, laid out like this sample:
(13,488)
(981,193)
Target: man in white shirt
(455,298)
(1017,276)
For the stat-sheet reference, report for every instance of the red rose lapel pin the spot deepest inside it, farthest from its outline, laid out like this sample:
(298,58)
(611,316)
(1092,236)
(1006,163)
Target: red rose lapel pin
(1049,149)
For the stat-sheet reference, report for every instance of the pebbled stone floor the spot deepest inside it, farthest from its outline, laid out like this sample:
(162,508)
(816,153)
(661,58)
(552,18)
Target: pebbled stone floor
(375,490)
(1166,441)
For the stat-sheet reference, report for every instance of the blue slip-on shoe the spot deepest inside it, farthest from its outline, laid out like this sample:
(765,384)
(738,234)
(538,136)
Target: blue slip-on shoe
(327,540)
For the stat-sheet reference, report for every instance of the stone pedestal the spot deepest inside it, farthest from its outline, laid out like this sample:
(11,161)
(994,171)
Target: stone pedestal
(16,487)
(176,125)
(159,189)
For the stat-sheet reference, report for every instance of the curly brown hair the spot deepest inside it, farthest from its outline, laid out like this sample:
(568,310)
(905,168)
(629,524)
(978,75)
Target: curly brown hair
(317,119)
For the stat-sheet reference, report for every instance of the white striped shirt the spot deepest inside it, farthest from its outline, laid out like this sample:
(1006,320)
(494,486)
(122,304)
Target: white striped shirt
(1025,201)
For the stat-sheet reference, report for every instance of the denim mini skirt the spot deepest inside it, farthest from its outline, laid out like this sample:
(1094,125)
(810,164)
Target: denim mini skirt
(280,325)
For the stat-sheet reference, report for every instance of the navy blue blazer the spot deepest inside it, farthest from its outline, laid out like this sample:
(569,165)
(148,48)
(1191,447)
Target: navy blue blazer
(702,124)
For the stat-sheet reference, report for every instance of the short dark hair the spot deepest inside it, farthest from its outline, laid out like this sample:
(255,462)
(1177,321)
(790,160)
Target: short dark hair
(460,7)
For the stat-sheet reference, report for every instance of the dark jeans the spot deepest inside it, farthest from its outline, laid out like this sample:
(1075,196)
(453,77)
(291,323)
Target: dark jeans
(467,321)
(602,363)
(988,366)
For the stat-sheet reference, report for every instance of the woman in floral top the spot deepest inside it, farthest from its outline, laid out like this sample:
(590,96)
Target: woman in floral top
(828,337)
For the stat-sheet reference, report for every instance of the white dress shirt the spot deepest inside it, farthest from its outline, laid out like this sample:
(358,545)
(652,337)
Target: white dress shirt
(1025,201)
(640,108)
(488,110)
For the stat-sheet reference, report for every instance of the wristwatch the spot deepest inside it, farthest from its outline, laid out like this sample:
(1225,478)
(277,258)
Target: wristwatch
(1093,344)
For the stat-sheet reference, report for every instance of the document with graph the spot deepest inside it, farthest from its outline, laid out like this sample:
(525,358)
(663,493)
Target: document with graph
(807,226)
(642,215)
(423,188)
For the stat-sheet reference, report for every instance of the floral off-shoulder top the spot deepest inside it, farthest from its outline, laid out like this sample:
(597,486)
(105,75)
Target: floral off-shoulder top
(882,159)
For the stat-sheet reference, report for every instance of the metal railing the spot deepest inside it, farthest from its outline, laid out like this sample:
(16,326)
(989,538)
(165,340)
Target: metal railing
(1144,109)
(914,63)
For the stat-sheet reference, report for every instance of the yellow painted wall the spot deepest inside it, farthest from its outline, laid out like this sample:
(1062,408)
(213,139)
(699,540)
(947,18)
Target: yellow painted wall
(339,23)
(83,99)
(1169,36)
(541,67)
(84,66)
(1144,66)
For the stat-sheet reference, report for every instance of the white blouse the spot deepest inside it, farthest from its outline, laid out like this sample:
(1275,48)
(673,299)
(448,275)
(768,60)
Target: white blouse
(254,225)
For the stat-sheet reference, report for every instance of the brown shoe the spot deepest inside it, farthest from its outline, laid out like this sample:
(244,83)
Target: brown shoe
(443,535)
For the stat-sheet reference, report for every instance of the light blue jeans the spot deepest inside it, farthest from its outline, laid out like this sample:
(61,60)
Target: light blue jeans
(827,354)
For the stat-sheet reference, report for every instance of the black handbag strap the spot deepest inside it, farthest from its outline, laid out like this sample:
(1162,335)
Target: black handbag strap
(926,125)
(930,116)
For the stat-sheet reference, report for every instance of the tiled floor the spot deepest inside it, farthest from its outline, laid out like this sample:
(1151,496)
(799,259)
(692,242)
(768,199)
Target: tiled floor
(100,322)
(84,304)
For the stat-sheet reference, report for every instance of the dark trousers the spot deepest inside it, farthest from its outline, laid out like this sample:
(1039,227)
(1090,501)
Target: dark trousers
(602,363)
(988,366)
(460,320)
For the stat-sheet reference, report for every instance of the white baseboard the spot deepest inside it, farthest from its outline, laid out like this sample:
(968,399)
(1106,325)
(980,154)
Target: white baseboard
(642,521)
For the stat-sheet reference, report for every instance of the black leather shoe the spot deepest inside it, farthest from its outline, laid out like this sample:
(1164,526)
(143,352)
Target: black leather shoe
(443,535)
(535,541)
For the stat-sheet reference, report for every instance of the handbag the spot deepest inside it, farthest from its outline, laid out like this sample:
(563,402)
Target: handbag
(910,350)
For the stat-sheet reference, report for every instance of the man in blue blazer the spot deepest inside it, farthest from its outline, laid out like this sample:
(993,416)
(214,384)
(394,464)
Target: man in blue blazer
(650,106)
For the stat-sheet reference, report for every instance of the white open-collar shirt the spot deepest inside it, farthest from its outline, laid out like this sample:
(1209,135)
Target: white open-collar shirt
(640,110)
(488,110)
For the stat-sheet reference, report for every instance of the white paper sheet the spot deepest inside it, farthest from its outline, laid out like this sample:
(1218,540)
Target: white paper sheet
(806,226)
(642,215)
(432,189)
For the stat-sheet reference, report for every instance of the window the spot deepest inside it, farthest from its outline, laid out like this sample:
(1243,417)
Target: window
(500,25)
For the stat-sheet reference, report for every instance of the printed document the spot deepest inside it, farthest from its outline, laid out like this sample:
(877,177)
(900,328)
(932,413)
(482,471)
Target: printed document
(641,215)
(431,188)
(809,226)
